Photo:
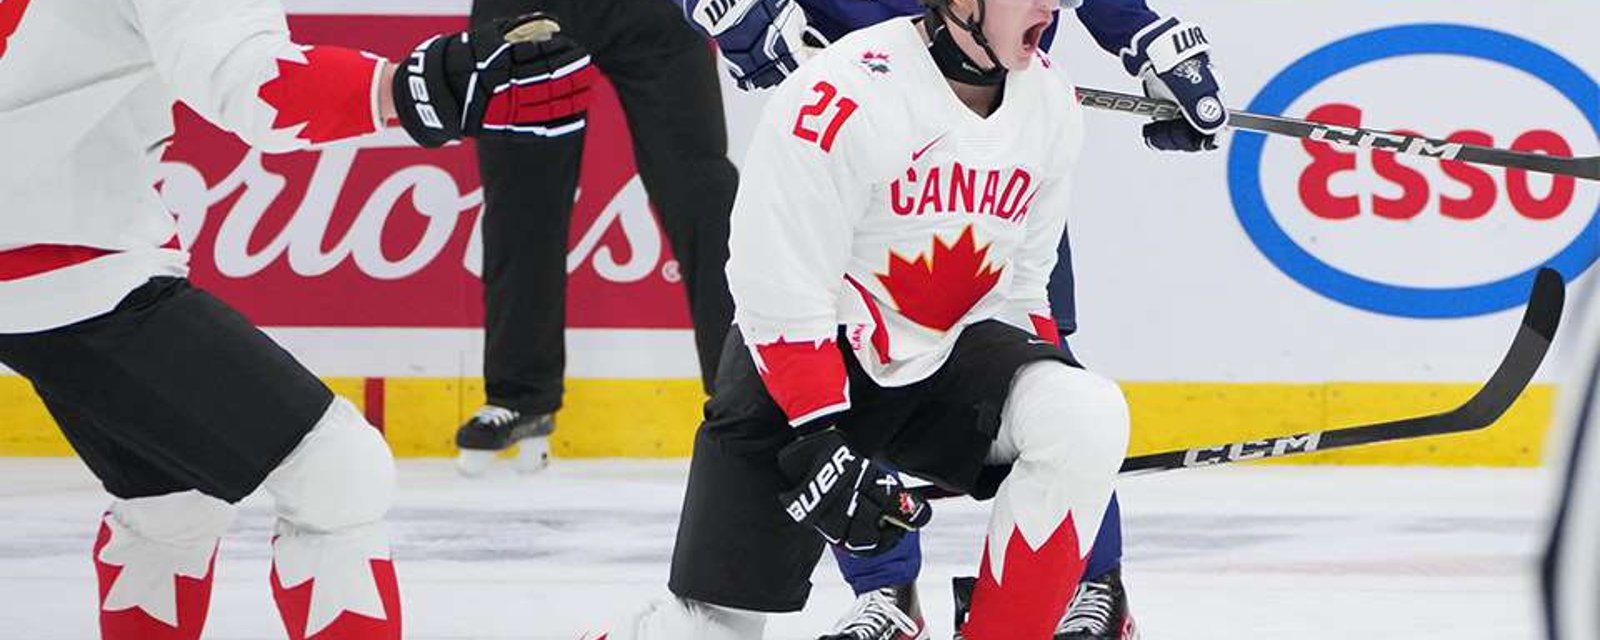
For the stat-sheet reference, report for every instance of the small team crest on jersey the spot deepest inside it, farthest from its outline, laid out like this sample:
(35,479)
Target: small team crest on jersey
(875,62)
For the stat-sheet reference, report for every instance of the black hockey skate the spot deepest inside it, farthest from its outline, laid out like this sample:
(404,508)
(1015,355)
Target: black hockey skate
(890,613)
(494,429)
(1099,610)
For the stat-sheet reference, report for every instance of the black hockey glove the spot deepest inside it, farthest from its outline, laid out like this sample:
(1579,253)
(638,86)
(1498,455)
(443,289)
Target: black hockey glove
(514,77)
(850,499)
(1172,59)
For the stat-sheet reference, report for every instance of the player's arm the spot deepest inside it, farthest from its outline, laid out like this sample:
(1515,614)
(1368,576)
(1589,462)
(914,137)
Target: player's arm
(1028,300)
(801,195)
(1035,265)
(760,40)
(793,224)
(234,63)
(1173,59)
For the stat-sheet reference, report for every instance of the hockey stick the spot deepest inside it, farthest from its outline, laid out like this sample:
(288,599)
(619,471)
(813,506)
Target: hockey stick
(1587,168)
(1527,351)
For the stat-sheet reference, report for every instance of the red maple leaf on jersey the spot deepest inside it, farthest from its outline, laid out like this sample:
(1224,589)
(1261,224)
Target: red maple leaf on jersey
(330,93)
(936,289)
(10,18)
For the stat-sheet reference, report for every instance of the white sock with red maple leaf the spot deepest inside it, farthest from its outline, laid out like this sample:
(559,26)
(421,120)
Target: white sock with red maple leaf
(1065,431)
(153,560)
(332,576)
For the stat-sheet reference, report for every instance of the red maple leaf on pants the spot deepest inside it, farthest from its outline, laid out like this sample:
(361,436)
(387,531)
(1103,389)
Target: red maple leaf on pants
(936,289)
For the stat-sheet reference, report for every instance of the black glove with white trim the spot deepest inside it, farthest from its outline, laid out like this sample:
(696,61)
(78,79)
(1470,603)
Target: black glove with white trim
(1173,60)
(513,77)
(851,500)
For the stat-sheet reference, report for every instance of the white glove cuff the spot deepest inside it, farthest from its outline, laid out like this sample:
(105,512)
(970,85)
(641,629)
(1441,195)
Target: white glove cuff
(1170,43)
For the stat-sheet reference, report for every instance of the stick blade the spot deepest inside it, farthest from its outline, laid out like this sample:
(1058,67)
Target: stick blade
(1545,303)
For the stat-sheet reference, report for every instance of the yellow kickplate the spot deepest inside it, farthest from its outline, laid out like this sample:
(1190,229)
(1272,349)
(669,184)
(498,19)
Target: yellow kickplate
(657,418)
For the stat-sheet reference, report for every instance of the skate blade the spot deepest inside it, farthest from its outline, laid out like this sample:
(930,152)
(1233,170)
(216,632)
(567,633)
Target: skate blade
(473,463)
(533,455)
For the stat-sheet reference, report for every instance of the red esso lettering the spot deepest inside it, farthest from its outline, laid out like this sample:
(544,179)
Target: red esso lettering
(1483,191)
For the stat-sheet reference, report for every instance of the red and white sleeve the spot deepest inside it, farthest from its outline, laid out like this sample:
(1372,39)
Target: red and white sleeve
(800,197)
(232,61)
(806,379)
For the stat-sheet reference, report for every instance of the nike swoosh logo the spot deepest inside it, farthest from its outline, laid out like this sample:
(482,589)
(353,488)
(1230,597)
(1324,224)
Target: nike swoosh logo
(916,155)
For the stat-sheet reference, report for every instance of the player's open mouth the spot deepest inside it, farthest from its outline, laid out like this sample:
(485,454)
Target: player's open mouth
(1034,34)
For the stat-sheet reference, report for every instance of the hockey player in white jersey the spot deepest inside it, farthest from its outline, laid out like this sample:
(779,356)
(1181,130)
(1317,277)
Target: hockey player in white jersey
(894,232)
(172,399)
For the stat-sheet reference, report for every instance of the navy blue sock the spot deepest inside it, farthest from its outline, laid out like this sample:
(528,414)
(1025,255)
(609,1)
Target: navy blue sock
(1106,555)
(899,565)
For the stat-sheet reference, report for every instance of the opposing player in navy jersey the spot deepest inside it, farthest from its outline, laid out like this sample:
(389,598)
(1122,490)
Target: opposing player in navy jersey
(762,42)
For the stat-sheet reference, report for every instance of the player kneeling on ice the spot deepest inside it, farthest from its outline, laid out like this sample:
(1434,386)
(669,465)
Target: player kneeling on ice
(895,228)
(173,399)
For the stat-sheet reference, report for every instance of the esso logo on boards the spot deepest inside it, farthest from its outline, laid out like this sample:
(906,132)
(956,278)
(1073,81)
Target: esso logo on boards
(1411,236)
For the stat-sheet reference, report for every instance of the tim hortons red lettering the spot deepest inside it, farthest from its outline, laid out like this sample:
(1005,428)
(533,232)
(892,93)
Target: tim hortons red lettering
(370,215)
(306,243)
(943,190)
(10,19)
(1413,186)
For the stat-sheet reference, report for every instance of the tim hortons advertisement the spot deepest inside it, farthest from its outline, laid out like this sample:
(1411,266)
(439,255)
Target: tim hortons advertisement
(381,233)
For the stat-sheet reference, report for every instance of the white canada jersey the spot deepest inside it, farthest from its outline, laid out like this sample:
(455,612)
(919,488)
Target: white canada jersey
(872,199)
(86,95)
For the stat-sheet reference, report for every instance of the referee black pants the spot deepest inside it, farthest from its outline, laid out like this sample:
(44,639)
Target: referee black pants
(666,77)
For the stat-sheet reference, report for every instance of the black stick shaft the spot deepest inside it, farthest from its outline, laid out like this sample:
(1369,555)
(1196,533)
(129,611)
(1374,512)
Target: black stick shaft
(1587,168)
(1488,404)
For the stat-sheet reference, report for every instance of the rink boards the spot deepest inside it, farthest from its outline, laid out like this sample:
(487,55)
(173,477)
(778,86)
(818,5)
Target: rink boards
(657,418)
(1270,288)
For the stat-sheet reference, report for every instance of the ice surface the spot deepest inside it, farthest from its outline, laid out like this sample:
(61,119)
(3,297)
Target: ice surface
(1230,553)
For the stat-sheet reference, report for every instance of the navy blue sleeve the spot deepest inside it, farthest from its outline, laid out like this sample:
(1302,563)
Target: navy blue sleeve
(1113,23)
(1063,303)
(836,18)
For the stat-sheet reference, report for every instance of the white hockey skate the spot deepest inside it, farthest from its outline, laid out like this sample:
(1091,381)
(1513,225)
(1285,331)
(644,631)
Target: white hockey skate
(494,429)
(890,613)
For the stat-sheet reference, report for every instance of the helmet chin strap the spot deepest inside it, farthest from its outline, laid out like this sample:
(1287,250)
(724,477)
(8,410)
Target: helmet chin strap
(951,60)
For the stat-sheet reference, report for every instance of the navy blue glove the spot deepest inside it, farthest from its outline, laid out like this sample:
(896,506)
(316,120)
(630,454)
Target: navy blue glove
(761,40)
(1172,59)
